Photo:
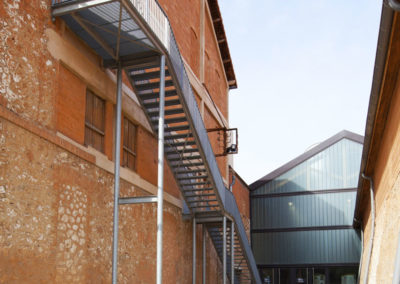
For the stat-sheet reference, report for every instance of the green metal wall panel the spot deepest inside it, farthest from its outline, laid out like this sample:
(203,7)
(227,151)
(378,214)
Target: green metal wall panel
(329,209)
(297,215)
(307,247)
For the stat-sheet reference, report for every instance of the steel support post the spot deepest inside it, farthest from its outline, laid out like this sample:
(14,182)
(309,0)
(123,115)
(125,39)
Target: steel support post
(224,250)
(160,178)
(204,254)
(194,253)
(232,252)
(117,155)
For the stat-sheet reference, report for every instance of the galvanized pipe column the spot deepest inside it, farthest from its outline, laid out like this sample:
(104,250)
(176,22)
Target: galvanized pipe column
(117,155)
(160,178)
(232,253)
(224,251)
(194,253)
(204,254)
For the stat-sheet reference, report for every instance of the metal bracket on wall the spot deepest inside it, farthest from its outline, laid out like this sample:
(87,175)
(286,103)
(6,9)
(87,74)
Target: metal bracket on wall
(229,138)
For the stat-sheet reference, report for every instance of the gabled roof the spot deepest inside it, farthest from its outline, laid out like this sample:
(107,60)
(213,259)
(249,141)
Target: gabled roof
(305,156)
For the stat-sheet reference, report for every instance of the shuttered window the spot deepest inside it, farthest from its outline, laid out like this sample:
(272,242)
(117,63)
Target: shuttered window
(94,121)
(129,145)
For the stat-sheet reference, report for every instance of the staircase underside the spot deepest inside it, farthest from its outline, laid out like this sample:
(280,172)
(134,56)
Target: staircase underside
(135,33)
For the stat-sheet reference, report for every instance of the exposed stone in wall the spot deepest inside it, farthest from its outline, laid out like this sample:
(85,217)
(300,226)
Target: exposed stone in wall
(71,235)
(26,71)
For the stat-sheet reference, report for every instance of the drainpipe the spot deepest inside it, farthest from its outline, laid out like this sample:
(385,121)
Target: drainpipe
(394,4)
(371,237)
(396,273)
(362,251)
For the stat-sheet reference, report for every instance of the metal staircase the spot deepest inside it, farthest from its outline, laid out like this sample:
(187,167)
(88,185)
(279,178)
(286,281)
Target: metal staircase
(182,151)
(134,35)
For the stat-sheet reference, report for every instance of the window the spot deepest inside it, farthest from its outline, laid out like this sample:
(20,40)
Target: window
(94,121)
(129,145)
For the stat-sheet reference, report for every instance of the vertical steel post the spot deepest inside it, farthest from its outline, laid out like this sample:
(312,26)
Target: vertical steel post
(117,155)
(232,253)
(224,251)
(160,178)
(194,253)
(204,254)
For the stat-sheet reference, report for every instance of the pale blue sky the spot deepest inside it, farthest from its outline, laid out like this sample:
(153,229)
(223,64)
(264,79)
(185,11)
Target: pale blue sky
(304,71)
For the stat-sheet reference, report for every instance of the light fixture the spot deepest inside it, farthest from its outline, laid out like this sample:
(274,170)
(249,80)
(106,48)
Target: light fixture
(290,203)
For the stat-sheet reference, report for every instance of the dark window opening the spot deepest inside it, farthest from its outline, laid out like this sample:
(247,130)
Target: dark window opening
(94,121)
(129,145)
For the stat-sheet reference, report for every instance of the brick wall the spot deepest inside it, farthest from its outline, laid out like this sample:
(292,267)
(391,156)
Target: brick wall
(242,195)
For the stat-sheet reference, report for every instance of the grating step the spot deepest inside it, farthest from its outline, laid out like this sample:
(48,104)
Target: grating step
(166,112)
(155,95)
(147,75)
(172,120)
(194,183)
(193,177)
(176,128)
(198,157)
(190,171)
(150,86)
(157,104)
(182,151)
(182,165)
(177,136)
(205,200)
(180,144)
(205,206)
(141,69)
(200,195)
(198,189)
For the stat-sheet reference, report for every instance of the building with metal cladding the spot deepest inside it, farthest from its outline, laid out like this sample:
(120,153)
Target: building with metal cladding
(111,164)
(302,215)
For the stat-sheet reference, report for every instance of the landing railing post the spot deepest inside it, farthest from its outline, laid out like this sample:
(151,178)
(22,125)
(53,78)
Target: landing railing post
(232,252)
(204,254)
(117,155)
(194,253)
(224,251)
(160,177)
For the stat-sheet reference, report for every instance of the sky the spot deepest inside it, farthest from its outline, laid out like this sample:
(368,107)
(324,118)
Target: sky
(304,71)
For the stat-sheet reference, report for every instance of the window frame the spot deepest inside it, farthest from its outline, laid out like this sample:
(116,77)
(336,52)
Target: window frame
(89,125)
(126,149)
